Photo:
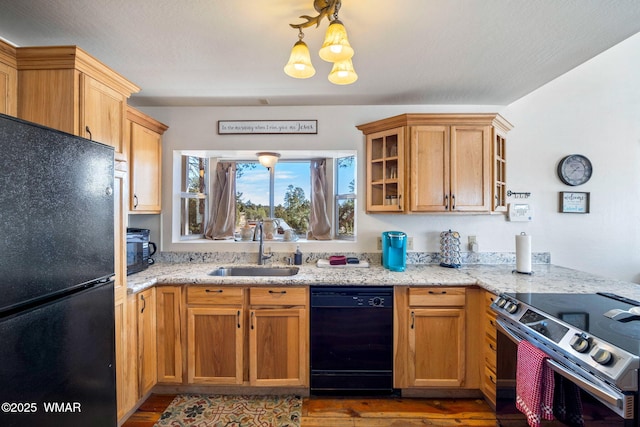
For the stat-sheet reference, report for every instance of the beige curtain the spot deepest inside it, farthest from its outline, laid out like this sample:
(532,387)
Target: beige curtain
(222,221)
(319,223)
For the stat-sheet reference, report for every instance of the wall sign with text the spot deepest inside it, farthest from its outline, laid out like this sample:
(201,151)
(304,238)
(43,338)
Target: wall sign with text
(266,127)
(573,202)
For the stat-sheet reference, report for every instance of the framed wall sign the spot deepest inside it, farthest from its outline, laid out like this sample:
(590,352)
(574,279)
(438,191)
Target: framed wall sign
(574,202)
(266,127)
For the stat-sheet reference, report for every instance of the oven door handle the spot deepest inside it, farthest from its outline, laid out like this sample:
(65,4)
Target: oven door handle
(596,387)
(508,332)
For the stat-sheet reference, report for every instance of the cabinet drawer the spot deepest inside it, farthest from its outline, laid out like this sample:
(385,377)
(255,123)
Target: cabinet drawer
(490,326)
(490,352)
(489,298)
(278,296)
(215,295)
(437,297)
(489,385)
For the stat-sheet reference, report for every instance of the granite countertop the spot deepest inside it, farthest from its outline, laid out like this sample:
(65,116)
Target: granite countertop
(546,278)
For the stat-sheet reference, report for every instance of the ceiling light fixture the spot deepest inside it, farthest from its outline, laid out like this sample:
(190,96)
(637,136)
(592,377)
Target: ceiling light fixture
(336,47)
(268,159)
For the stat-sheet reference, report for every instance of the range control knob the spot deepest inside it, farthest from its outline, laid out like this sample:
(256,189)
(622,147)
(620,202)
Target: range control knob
(580,343)
(601,356)
(500,302)
(512,307)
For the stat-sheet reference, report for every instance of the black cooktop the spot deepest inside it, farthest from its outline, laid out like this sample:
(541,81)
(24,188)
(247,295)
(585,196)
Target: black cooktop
(586,312)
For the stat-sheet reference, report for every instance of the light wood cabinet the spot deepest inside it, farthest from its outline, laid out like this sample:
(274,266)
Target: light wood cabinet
(147,347)
(169,333)
(65,88)
(447,163)
(432,341)
(144,135)
(8,80)
(215,335)
(436,337)
(489,351)
(385,171)
(278,337)
(254,336)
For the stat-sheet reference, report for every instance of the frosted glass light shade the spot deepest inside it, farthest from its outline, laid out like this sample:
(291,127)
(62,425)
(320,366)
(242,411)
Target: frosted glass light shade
(343,73)
(268,160)
(336,45)
(299,65)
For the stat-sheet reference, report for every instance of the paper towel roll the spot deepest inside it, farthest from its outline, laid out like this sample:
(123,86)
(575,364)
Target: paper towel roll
(523,253)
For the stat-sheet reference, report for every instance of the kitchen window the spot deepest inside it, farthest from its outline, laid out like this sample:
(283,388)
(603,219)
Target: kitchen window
(251,181)
(193,196)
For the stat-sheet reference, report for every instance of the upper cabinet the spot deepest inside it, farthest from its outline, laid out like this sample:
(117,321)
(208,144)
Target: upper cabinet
(436,163)
(145,161)
(8,80)
(65,88)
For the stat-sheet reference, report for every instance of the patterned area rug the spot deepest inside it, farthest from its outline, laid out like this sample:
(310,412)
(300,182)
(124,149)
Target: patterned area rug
(232,411)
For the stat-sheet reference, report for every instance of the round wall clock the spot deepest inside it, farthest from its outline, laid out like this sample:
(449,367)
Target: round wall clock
(575,169)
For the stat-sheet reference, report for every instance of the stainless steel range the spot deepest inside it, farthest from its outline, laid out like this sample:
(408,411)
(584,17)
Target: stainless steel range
(593,340)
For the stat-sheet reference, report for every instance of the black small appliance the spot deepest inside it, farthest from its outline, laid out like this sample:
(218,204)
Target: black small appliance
(139,250)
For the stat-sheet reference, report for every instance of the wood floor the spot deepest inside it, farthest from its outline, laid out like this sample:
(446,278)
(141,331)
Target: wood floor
(357,412)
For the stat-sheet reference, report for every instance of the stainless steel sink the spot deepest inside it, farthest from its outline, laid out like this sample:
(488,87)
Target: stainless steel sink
(255,271)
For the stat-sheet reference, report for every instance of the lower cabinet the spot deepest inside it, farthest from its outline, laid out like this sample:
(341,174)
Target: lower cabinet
(169,333)
(437,340)
(147,348)
(436,337)
(278,337)
(254,336)
(489,351)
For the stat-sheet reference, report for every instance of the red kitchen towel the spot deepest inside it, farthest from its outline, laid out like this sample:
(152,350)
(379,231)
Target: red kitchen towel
(337,260)
(534,384)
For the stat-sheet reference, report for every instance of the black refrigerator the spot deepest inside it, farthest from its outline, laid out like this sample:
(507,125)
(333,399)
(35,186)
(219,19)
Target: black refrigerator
(57,345)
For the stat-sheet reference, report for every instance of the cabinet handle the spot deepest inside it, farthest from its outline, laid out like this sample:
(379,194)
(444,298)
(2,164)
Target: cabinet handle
(217,291)
(492,347)
(89,132)
(446,202)
(453,202)
(135,201)
(437,293)
(144,303)
(252,314)
(238,319)
(277,292)
(493,380)
(491,323)
(413,319)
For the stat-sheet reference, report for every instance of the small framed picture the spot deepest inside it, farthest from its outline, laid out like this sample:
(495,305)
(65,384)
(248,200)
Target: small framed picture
(574,202)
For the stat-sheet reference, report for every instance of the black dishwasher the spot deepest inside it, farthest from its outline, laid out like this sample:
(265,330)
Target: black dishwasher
(351,340)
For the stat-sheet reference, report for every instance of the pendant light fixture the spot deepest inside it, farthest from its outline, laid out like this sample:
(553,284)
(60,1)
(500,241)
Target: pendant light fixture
(336,47)
(299,65)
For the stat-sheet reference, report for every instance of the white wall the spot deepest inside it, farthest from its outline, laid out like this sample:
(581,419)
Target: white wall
(593,110)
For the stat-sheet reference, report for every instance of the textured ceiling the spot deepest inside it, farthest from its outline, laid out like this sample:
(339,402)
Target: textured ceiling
(232,52)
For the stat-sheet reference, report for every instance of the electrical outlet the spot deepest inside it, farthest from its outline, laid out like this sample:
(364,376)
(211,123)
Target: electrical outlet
(379,243)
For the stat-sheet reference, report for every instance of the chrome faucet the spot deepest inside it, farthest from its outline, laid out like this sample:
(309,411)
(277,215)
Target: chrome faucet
(261,256)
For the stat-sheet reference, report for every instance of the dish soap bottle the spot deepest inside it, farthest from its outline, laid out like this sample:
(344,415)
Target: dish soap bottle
(297,257)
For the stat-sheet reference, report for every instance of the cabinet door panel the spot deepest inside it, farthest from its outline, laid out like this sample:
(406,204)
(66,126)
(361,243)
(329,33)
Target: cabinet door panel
(103,111)
(8,90)
(147,362)
(436,347)
(215,345)
(277,340)
(169,310)
(471,168)
(146,158)
(429,153)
